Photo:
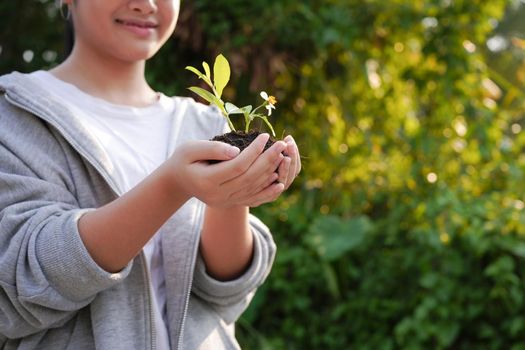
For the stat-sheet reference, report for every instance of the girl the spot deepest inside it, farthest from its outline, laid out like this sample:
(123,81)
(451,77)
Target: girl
(115,232)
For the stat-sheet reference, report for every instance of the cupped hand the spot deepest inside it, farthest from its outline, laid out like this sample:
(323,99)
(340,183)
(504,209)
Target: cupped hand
(245,179)
(290,167)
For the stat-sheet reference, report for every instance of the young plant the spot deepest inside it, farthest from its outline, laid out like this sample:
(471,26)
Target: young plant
(221,77)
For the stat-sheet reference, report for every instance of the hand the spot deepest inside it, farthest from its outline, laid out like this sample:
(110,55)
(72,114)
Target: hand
(290,167)
(246,179)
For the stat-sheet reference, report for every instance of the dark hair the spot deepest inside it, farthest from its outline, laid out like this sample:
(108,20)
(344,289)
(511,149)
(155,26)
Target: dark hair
(69,37)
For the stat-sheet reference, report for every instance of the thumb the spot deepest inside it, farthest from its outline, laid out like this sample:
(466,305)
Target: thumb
(209,150)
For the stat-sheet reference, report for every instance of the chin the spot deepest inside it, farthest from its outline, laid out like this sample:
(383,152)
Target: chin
(133,55)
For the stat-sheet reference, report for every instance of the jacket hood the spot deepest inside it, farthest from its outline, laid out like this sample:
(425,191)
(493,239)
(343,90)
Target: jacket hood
(25,92)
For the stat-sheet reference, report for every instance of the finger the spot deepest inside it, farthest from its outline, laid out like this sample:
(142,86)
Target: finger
(269,160)
(199,150)
(292,154)
(261,184)
(228,170)
(293,151)
(244,195)
(260,170)
(294,165)
(284,170)
(271,180)
(270,194)
(299,165)
(271,170)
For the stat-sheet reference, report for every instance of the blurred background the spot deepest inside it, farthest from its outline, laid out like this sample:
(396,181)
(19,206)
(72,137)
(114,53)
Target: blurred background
(406,228)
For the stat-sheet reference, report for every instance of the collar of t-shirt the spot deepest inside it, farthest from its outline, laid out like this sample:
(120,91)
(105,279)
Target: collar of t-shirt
(136,139)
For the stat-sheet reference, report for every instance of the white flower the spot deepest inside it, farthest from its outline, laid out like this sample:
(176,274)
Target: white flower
(270,100)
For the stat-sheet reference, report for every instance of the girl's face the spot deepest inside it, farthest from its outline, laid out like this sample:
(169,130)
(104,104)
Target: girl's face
(128,30)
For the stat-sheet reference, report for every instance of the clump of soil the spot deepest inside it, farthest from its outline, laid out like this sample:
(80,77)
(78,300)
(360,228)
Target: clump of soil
(241,140)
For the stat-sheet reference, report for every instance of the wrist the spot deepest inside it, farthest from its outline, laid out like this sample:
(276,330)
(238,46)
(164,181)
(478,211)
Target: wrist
(235,210)
(169,184)
(226,242)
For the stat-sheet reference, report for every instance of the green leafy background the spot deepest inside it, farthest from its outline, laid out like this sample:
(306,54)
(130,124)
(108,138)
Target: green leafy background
(406,227)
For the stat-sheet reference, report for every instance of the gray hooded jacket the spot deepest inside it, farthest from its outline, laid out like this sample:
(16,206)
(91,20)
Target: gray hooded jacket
(52,294)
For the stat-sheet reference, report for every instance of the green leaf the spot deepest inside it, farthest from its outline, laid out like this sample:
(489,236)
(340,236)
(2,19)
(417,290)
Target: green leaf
(247,109)
(518,248)
(200,75)
(207,96)
(231,108)
(221,74)
(196,71)
(332,236)
(207,70)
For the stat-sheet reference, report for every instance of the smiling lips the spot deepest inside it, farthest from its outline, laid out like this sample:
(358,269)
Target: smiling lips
(140,28)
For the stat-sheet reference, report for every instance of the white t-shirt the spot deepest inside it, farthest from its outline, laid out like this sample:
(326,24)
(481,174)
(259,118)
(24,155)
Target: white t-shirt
(137,142)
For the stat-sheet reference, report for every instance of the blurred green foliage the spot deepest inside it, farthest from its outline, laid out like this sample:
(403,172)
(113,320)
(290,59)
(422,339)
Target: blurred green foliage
(406,227)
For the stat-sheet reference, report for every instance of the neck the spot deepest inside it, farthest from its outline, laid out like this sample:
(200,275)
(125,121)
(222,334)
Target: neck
(113,80)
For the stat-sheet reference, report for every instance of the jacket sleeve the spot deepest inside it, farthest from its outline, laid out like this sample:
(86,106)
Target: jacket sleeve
(46,273)
(231,298)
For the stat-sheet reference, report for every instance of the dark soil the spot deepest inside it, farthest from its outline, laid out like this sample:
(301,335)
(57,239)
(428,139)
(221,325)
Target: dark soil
(241,139)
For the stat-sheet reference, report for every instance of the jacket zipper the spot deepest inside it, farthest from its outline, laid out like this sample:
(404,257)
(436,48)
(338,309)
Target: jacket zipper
(151,316)
(115,192)
(187,300)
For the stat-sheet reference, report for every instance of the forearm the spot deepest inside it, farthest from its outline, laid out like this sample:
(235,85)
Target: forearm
(226,242)
(115,233)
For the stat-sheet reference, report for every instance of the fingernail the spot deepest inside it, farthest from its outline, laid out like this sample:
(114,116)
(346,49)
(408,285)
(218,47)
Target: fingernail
(264,137)
(288,139)
(232,151)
